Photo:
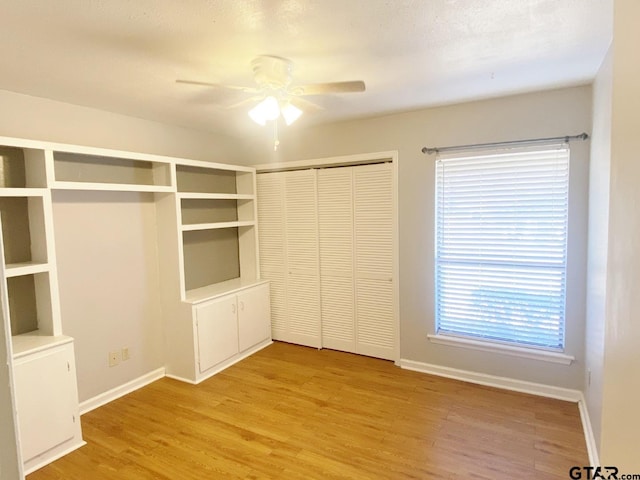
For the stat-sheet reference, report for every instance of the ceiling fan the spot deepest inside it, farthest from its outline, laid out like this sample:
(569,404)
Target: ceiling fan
(274,93)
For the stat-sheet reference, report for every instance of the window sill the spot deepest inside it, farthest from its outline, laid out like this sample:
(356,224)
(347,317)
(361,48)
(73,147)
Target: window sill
(485,346)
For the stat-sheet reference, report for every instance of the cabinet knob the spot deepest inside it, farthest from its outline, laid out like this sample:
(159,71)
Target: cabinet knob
(242,306)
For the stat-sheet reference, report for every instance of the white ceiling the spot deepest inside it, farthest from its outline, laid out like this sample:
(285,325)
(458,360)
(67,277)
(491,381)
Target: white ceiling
(124,55)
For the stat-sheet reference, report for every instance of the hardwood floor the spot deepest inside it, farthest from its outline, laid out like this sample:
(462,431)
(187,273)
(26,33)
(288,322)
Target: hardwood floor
(291,412)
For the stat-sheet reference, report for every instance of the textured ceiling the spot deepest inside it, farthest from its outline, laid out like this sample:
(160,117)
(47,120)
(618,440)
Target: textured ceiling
(124,55)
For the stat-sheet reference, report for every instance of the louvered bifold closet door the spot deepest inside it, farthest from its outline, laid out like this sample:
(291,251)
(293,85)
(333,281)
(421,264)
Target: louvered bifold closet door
(373,226)
(303,282)
(335,228)
(272,247)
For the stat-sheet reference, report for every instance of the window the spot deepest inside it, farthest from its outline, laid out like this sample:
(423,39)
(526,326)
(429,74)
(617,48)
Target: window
(501,245)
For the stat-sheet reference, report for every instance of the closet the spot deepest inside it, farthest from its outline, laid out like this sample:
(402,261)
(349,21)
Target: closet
(327,246)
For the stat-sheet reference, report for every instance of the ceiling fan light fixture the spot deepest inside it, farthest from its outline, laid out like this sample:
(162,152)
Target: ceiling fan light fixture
(268,109)
(290,113)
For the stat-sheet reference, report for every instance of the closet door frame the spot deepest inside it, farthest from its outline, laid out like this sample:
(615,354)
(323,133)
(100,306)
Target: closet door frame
(354,160)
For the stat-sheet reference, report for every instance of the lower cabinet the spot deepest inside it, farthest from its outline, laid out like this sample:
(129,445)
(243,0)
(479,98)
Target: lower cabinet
(231,324)
(47,405)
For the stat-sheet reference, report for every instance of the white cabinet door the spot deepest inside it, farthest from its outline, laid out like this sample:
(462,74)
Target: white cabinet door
(217,328)
(254,324)
(46,400)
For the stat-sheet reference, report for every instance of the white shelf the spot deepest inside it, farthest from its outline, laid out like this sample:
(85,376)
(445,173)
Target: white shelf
(209,292)
(213,226)
(32,342)
(25,268)
(216,196)
(22,192)
(114,187)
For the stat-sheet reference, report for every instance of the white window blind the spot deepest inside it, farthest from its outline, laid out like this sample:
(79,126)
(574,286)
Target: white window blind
(501,245)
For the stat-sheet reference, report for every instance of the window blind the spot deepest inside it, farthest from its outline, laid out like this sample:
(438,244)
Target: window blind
(501,245)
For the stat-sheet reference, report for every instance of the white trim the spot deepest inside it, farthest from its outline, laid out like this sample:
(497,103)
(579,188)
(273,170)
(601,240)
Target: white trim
(515,351)
(233,360)
(192,227)
(590,439)
(106,152)
(121,390)
(505,383)
(111,187)
(180,379)
(37,463)
(395,166)
(215,196)
(343,160)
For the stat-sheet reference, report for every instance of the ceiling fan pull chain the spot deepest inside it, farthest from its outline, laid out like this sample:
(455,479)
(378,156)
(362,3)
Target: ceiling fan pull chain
(276,142)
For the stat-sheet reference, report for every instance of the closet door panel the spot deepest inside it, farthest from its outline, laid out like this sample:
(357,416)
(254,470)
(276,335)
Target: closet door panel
(375,321)
(373,221)
(303,308)
(373,226)
(338,313)
(303,276)
(335,236)
(271,219)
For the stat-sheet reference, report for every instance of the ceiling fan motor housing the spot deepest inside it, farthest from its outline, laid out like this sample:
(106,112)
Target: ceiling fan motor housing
(272,72)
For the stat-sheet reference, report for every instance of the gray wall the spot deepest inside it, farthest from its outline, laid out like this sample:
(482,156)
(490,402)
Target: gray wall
(37,118)
(543,114)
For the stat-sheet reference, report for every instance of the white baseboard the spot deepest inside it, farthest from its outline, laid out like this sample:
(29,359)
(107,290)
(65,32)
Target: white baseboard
(46,458)
(179,378)
(494,381)
(121,390)
(592,446)
(233,360)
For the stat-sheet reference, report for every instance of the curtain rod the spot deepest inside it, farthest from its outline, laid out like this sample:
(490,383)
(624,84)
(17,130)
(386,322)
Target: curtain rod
(582,136)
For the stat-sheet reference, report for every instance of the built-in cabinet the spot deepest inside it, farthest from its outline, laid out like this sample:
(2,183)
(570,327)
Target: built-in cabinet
(231,324)
(47,399)
(215,305)
(327,244)
(208,250)
(41,358)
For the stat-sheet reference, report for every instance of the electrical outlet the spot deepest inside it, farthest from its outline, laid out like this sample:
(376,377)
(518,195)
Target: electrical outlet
(125,354)
(114,358)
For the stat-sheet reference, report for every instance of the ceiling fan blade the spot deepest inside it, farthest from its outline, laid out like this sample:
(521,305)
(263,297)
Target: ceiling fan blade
(219,85)
(254,99)
(332,87)
(305,105)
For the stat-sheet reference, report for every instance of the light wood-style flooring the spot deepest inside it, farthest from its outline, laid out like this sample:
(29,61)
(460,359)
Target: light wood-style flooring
(290,412)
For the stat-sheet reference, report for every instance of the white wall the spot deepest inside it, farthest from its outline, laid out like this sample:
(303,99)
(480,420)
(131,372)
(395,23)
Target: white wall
(599,190)
(37,118)
(621,378)
(544,114)
(106,251)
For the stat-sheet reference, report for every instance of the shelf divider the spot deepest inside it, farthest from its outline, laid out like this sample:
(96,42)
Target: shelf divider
(25,268)
(212,226)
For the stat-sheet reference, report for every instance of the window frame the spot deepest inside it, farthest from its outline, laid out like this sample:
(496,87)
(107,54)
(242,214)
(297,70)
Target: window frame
(506,346)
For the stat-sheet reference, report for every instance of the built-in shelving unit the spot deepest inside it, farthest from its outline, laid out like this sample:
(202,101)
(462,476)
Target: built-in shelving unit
(216,207)
(42,358)
(215,251)
(76,171)
(215,306)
